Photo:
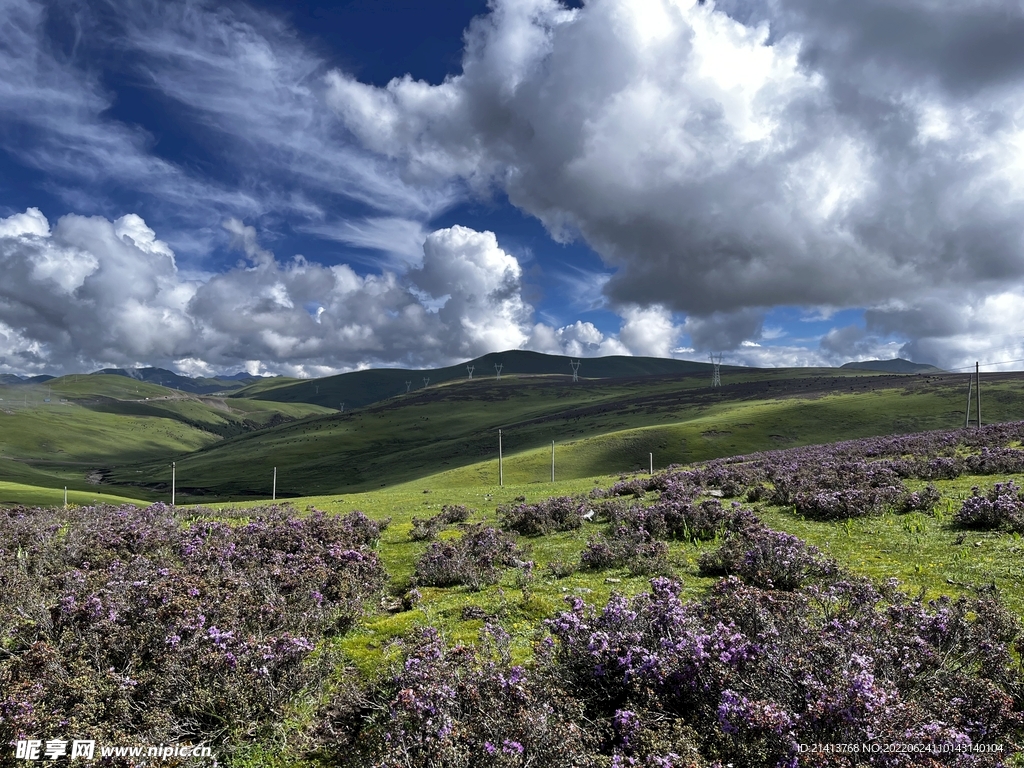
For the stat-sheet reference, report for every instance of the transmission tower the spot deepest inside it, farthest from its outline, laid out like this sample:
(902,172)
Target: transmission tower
(408,386)
(470,368)
(498,367)
(716,376)
(426,382)
(575,369)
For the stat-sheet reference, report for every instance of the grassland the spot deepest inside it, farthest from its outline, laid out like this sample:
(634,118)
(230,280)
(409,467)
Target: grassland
(927,554)
(598,426)
(70,430)
(602,431)
(361,388)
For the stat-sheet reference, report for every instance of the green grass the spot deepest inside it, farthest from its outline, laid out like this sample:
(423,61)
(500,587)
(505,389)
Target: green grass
(13,494)
(361,388)
(920,551)
(599,427)
(59,434)
(927,554)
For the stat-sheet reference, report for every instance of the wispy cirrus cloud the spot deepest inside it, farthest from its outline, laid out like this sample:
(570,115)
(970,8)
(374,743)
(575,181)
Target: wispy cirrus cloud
(54,113)
(248,77)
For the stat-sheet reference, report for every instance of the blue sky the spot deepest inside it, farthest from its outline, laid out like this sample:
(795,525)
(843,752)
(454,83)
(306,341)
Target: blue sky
(307,188)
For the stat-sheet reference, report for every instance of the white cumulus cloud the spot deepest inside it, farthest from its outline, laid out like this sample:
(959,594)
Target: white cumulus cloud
(727,158)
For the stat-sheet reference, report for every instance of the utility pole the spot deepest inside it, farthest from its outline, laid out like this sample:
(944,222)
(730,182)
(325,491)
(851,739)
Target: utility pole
(977,374)
(65,497)
(970,393)
(498,367)
(501,473)
(173,480)
(575,369)
(274,492)
(552,461)
(470,368)
(408,386)
(426,382)
(651,456)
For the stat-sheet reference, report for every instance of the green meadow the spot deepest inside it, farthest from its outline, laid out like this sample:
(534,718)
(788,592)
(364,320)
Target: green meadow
(927,554)
(599,427)
(72,430)
(407,457)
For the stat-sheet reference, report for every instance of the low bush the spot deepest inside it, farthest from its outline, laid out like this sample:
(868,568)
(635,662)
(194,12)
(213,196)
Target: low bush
(635,549)
(561,570)
(845,503)
(475,559)
(1000,508)
(744,676)
(429,528)
(767,559)
(448,706)
(682,520)
(562,513)
(124,625)
(917,501)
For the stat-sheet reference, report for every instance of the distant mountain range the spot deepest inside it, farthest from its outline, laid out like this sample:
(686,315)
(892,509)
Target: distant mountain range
(896,365)
(171,380)
(161,376)
(10,379)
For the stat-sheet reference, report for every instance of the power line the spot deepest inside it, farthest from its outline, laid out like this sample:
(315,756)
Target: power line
(983,365)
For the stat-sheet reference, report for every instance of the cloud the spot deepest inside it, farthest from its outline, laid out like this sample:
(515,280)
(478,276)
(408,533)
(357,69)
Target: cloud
(90,291)
(244,96)
(258,87)
(649,331)
(955,329)
(724,330)
(55,111)
(579,339)
(726,158)
(400,240)
(484,310)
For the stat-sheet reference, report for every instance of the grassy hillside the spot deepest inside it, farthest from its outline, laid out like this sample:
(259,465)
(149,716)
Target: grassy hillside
(599,427)
(62,432)
(361,388)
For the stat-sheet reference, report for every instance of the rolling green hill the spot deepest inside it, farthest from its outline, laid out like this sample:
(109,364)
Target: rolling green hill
(361,388)
(69,430)
(600,426)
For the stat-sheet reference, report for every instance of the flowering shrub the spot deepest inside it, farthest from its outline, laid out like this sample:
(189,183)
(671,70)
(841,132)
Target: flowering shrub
(1001,508)
(918,501)
(122,624)
(743,676)
(562,513)
(455,706)
(475,559)
(674,518)
(767,559)
(876,467)
(429,528)
(634,548)
(845,503)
